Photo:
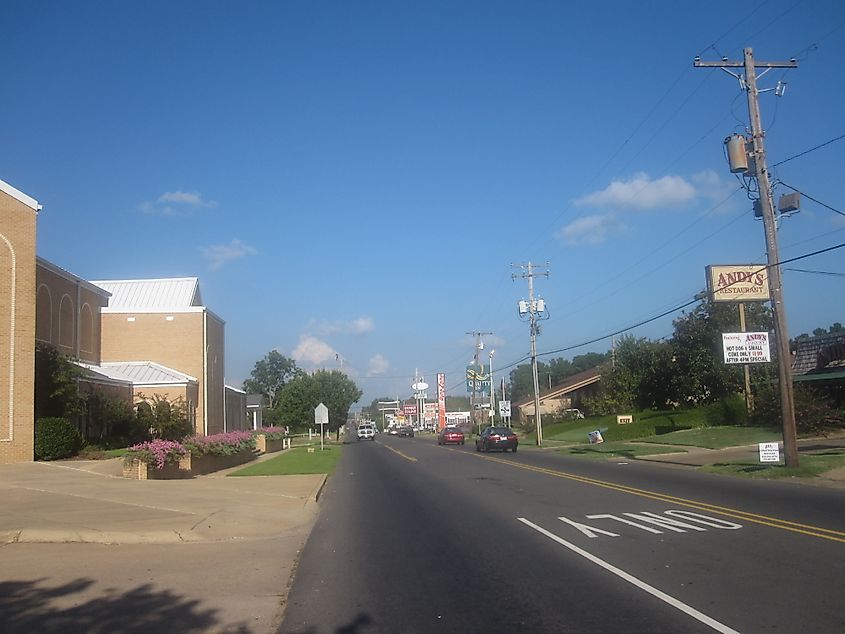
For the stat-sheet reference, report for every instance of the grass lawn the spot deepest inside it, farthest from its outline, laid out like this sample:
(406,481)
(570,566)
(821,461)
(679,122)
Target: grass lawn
(717,437)
(295,461)
(616,450)
(811,465)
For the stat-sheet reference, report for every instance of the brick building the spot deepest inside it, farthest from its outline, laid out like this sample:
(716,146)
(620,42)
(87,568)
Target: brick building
(18,213)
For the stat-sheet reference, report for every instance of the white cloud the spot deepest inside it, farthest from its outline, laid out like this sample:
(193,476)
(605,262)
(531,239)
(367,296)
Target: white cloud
(641,192)
(178,202)
(313,350)
(360,326)
(219,254)
(590,229)
(377,365)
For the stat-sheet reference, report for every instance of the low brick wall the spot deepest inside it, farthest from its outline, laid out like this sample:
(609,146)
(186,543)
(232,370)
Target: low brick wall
(187,467)
(268,446)
(200,465)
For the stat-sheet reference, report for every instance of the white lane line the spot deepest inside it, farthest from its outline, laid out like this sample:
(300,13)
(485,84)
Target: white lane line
(683,607)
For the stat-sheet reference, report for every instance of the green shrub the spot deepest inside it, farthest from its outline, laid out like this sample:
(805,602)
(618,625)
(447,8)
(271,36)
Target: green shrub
(56,438)
(730,410)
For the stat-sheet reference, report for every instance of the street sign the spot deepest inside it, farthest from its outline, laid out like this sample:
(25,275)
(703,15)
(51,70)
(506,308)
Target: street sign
(505,409)
(321,415)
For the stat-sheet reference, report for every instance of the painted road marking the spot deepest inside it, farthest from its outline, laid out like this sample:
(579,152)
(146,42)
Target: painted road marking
(765,520)
(646,517)
(398,453)
(642,585)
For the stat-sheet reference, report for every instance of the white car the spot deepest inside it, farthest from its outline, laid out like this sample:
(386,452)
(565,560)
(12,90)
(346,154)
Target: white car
(366,431)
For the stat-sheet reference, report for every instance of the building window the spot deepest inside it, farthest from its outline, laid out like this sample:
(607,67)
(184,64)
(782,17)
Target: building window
(66,322)
(44,314)
(86,326)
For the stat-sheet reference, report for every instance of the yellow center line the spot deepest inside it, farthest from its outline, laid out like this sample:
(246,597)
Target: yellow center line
(795,527)
(397,452)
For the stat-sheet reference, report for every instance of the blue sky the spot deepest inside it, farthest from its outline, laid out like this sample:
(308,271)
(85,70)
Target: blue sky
(355,179)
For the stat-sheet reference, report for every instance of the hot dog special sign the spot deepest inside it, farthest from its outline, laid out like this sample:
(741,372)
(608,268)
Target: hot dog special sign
(746,347)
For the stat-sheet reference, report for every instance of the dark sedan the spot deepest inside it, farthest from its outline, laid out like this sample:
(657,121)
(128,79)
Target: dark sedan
(450,435)
(501,438)
(407,430)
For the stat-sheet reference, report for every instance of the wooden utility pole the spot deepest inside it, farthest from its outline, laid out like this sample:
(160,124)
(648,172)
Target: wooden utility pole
(749,84)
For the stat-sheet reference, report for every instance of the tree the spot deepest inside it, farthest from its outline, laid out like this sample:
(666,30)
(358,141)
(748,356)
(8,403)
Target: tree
(700,371)
(300,396)
(56,380)
(270,375)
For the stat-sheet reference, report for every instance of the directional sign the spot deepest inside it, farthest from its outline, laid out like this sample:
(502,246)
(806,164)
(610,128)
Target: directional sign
(321,415)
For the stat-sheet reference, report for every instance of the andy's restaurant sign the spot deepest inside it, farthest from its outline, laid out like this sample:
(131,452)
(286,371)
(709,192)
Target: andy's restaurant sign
(738,283)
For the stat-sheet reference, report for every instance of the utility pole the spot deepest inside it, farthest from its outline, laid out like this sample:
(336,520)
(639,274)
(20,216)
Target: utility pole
(749,84)
(535,311)
(479,345)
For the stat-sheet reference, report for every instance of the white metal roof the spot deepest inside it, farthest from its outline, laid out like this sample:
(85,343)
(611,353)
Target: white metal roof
(163,294)
(141,372)
(19,196)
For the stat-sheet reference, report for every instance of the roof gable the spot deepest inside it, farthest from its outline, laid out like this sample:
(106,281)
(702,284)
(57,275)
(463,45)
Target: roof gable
(164,294)
(19,196)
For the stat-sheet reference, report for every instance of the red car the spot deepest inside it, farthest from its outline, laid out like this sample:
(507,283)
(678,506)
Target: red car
(501,438)
(450,435)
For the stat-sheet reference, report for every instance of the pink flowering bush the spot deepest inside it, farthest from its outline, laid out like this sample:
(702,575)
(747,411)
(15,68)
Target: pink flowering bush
(224,444)
(272,433)
(156,452)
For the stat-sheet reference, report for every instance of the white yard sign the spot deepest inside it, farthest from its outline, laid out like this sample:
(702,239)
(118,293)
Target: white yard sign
(746,347)
(769,452)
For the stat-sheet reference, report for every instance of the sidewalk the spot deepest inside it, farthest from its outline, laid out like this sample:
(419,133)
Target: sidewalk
(88,501)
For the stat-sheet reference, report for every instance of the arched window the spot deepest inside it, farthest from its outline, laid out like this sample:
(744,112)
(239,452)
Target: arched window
(44,314)
(66,322)
(86,327)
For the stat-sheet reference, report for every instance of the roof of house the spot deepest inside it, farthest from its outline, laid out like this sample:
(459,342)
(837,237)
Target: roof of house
(817,353)
(19,196)
(160,294)
(141,372)
(570,384)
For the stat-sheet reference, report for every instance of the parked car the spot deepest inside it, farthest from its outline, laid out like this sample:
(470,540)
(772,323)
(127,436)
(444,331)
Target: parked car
(573,414)
(366,431)
(450,435)
(501,438)
(406,430)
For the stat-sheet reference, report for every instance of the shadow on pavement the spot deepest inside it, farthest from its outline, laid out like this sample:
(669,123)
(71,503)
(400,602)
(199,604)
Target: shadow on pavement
(33,606)
(356,626)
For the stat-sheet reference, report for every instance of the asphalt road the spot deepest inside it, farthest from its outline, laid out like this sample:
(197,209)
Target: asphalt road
(413,537)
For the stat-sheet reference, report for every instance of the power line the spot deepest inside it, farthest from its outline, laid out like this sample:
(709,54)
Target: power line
(817,272)
(812,149)
(675,309)
(813,199)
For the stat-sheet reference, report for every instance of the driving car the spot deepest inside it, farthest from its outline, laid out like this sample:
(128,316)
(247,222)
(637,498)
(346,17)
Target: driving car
(406,430)
(366,431)
(501,438)
(450,435)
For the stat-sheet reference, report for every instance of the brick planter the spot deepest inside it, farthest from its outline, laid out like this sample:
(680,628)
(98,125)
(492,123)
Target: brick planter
(268,446)
(200,465)
(187,467)
(138,470)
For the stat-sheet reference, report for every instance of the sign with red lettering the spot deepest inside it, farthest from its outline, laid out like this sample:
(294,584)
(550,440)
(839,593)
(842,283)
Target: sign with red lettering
(746,347)
(738,283)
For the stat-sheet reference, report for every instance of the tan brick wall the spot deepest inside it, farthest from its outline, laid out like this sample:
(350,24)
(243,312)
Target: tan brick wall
(17,329)
(216,368)
(176,343)
(236,419)
(84,315)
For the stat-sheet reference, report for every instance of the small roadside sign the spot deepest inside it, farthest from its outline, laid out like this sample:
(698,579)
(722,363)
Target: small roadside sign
(505,409)
(595,437)
(769,452)
(321,417)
